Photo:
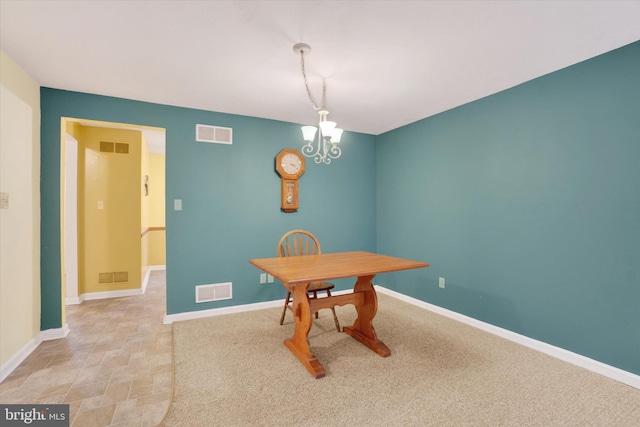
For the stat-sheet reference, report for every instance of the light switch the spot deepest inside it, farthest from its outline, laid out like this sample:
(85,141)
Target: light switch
(4,200)
(177,204)
(100,204)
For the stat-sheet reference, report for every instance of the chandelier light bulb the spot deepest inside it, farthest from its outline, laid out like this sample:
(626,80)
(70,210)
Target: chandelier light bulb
(336,135)
(309,133)
(327,128)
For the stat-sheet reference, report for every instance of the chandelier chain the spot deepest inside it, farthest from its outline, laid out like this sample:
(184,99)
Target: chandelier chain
(316,107)
(322,143)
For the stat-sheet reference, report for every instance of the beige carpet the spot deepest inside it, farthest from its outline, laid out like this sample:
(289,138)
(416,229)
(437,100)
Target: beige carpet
(234,370)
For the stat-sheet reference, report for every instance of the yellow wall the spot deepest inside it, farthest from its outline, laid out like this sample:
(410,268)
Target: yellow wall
(144,204)
(157,249)
(153,215)
(109,238)
(157,190)
(20,224)
(144,172)
(73,128)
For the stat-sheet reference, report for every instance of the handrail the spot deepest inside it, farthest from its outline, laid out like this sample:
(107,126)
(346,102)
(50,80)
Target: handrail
(148,229)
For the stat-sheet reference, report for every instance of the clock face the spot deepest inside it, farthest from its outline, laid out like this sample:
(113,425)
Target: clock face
(291,163)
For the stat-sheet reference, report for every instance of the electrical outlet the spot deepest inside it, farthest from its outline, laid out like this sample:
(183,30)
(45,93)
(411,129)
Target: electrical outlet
(441,282)
(263,278)
(269,278)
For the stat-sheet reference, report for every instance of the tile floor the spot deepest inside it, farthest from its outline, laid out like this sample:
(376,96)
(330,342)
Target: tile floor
(113,369)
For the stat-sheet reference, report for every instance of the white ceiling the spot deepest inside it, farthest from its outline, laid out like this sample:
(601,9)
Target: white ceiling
(387,63)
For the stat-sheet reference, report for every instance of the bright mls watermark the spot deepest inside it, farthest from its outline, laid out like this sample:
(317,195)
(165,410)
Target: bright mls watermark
(34,415)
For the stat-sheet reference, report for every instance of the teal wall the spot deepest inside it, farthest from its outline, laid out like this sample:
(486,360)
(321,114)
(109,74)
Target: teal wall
(528,203)
(230,197)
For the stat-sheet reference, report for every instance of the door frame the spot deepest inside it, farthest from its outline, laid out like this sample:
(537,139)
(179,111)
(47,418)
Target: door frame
(70,221)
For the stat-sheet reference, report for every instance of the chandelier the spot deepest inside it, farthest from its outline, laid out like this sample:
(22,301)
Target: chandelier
(325,147)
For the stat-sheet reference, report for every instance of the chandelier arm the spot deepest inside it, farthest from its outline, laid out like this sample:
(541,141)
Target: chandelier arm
(308,150)
(334,152)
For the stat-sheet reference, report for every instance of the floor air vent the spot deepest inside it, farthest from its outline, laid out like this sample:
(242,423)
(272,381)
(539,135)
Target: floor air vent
(214,134)
(112,277)
(217,292)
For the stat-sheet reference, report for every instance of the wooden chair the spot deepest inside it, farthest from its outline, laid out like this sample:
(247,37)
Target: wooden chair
(301,242)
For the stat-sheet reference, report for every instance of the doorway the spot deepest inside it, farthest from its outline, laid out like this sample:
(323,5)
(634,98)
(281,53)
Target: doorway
(106,214)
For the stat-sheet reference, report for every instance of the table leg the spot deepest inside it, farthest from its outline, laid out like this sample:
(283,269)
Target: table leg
(298,344)
(362,328)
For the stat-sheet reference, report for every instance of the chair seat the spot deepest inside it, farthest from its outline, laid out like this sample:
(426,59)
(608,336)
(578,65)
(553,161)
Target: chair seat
(314,288)
(317,287)
(320,286)
(297,243)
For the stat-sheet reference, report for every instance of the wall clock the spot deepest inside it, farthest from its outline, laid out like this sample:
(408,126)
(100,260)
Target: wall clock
(290,166)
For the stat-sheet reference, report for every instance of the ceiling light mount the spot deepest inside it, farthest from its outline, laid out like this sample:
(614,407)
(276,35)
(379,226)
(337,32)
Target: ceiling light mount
(299,48)
(329,136)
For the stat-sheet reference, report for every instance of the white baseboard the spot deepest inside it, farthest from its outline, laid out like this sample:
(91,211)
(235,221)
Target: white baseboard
(54,334)
(24,352)
(151,268)
(58,333)
(110,294)
(116,294)
(189,315)
(145,280)
(608,371)
(104,295)
(17,358)
(72,301)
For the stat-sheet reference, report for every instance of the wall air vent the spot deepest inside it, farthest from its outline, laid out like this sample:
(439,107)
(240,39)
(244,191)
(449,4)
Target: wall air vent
(121,276)
(106,147)
(122,148)
(105,277)
(216,292)
(214,134)
(114,147)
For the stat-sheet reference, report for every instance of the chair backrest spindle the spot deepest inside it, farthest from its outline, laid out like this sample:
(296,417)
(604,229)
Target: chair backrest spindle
(298,242)
(302,242)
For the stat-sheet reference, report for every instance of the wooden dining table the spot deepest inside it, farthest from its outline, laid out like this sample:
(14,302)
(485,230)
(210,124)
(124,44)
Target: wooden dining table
(298,272)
